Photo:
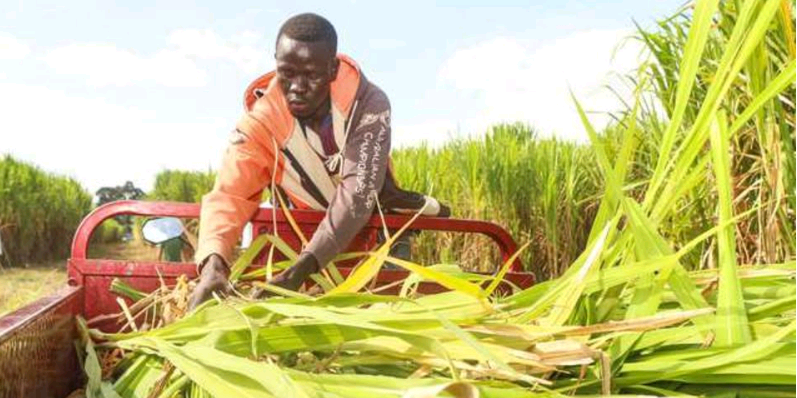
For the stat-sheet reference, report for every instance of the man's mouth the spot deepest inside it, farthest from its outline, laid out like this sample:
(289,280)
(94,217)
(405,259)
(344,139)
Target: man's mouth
(298,106)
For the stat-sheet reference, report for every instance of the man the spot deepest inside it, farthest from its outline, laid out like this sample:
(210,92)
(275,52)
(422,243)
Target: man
(320,132)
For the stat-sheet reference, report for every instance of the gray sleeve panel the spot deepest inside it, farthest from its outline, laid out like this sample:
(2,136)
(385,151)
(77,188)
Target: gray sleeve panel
(365,162)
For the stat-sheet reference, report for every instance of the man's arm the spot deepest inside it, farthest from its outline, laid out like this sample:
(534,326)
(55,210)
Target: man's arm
(365,162)
(234,199)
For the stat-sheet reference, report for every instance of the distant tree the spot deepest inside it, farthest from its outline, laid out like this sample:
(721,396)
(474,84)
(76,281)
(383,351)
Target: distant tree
(128,191)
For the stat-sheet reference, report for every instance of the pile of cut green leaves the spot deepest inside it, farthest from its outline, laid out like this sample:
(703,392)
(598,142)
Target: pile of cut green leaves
(626,318)
(460,343)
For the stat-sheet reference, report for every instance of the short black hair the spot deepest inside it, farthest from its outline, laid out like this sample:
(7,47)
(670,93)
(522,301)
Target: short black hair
(309,27)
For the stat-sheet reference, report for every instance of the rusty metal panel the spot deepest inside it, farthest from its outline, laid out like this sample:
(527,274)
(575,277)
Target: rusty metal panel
(37,348)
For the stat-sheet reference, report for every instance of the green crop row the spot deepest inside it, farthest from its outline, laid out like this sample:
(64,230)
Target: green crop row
(39,212)
(182,186)
(544,191)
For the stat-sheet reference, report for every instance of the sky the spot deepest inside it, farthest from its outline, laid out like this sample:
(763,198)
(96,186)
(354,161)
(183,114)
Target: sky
(107,93)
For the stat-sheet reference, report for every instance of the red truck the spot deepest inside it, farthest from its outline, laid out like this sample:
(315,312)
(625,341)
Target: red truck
(38,342)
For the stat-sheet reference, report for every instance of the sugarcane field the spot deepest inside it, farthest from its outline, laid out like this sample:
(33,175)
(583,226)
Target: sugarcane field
(542,199)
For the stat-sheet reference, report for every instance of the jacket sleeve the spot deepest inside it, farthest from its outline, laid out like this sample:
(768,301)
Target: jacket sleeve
(365,163)
(235,197)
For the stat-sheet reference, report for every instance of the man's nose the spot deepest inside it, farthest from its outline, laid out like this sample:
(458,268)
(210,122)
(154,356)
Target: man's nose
(299,84)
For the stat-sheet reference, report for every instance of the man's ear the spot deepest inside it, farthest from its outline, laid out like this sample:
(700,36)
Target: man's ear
(334,69)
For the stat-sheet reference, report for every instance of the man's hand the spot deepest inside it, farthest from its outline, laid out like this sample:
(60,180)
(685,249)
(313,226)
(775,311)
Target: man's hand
(213,279)
(293,277)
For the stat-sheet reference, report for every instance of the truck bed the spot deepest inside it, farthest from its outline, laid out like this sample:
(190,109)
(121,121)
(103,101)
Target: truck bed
(38,355)
(37,347)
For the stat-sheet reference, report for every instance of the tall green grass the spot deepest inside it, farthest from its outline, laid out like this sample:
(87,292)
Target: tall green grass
(182,186)
(763,136)
(547,191)
(544,191)
(39,212)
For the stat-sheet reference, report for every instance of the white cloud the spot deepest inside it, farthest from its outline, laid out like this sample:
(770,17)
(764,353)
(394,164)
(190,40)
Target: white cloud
(107,65)
(242,50)
(533,85)
(12,48)
(385,44)
(99,143)
(174,66)
(247,37)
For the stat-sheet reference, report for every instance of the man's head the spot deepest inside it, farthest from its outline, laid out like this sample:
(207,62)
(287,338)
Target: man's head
(306,63)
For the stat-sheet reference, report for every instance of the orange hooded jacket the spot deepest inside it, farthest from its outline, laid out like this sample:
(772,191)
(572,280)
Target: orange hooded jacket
(270,145)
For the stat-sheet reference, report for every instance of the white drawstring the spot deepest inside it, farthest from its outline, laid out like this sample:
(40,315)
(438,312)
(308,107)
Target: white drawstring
(335,162)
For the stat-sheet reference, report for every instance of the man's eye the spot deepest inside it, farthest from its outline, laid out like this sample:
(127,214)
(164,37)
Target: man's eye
(286,73)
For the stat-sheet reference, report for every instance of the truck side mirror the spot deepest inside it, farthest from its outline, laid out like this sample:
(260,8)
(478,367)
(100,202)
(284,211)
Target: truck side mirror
(161,229)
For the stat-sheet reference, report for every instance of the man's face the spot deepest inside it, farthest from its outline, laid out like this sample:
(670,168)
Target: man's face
(304,72)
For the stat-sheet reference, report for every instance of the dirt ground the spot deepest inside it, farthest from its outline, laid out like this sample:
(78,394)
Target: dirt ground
(20,286)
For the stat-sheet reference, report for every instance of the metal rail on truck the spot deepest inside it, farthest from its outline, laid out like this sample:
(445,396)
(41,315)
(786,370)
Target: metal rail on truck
(95,275)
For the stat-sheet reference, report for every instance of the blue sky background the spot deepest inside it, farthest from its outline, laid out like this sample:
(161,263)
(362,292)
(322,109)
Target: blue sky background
(112,92)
